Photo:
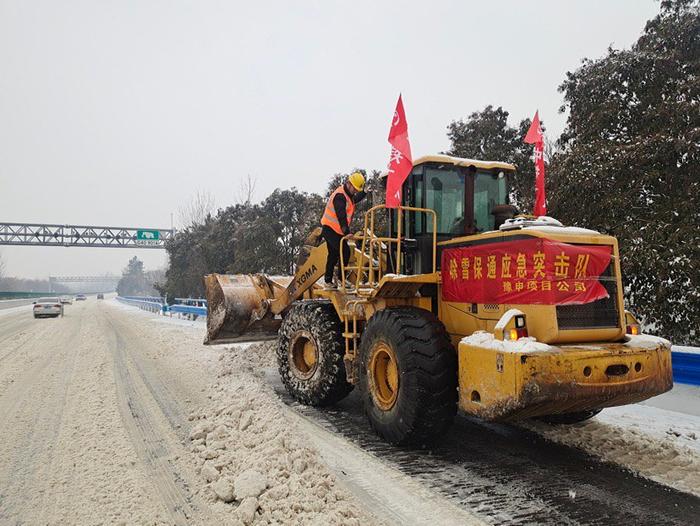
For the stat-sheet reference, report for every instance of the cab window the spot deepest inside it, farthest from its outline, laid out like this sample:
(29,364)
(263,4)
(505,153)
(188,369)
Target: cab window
(489,191)
(444,193)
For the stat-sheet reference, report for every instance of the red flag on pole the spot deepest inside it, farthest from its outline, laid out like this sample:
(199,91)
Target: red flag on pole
(401,162)
(535,136)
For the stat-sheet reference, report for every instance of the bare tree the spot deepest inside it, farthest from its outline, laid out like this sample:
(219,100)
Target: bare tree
(246,190)
(196,211)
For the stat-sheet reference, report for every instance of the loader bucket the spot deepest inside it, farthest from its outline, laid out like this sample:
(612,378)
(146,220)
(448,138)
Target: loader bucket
(238,307)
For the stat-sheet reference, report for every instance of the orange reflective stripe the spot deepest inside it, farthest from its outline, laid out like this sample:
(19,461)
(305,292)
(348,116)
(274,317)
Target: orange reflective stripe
(330,218)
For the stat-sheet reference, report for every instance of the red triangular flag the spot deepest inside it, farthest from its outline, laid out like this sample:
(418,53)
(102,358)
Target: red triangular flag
(401,161)
(535,136)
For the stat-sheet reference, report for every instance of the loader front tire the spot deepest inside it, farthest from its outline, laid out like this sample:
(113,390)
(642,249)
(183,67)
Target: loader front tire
(310,354)
(408,376)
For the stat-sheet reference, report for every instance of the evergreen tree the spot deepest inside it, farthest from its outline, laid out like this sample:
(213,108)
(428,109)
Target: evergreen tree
(242,239)
(630,164)
(486,135)
(133,281)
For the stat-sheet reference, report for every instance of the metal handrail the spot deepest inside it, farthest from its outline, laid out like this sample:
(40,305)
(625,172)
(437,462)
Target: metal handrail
(367,252)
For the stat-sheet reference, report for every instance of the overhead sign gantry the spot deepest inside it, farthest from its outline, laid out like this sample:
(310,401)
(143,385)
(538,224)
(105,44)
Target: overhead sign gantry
(35,234)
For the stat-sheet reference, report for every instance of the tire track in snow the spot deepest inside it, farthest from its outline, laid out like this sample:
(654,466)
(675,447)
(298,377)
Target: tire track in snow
(160,391)
(388,493)
(13,328)
(35,432)
(508,475)
(147,436)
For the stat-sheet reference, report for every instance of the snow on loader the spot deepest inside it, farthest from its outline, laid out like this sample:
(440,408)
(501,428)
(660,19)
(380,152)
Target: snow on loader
(455,303)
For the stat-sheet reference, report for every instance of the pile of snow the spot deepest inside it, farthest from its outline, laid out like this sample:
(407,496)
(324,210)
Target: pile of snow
(250,355)
(646,341)
(658,444)
(488,341)
(253,457)
(575,230)
(544,224)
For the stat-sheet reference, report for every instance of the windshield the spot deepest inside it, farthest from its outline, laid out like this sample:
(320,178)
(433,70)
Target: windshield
(489,191)
(444,193)
(47,300)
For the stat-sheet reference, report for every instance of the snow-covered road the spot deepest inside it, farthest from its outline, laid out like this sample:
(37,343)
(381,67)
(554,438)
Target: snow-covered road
(510,475)
(97,409)
(114,415)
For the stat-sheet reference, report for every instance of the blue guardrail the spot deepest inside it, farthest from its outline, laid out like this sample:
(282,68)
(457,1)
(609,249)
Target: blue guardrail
(188,309)
(145,303)
(686,367)
(196,307)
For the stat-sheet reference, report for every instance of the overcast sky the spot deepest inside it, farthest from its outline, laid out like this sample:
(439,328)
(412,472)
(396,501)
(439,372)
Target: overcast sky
(116,113)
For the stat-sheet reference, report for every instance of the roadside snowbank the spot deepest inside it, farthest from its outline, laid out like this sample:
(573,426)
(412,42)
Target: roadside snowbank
(253,457)
(655,443)
(686,349)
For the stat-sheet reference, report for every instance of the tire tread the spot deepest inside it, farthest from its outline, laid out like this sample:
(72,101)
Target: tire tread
(320,319)
(428,363)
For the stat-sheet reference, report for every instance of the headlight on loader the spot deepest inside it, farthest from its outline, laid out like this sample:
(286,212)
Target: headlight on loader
(632,325)
(511,326)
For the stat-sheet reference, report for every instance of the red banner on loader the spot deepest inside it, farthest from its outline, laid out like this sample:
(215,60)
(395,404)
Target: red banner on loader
(525,272)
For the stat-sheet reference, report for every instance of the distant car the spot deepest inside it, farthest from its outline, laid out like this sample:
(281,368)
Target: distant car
(48,307)
(66,300)
(80,297)
(100,296)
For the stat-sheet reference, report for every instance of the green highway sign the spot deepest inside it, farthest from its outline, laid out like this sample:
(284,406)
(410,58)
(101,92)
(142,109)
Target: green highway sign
(147,237)
(150,235)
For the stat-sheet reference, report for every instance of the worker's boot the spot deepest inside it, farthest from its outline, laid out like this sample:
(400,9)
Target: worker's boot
(330,285)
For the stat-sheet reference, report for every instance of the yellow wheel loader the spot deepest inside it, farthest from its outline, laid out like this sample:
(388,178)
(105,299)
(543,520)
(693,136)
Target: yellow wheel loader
(450,302)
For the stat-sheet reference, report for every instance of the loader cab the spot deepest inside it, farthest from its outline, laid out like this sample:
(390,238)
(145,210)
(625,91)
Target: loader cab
(468,196)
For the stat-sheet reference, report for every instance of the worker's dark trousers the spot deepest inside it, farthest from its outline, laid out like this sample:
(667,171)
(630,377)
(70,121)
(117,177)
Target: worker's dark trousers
(333,242)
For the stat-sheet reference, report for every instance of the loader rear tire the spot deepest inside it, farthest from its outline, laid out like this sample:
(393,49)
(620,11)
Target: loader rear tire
(310,353)
(408,376)
(569,418)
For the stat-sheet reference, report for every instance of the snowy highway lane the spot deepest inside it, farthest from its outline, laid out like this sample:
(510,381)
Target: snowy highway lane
(86,437)
(99,407)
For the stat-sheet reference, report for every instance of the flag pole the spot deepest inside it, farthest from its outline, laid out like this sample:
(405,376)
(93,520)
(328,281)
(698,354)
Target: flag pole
(398,242)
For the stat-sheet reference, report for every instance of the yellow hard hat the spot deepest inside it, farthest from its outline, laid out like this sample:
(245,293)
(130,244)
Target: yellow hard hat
(357,180)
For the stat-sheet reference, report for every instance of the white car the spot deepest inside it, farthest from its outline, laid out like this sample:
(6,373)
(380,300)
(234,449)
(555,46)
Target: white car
(66,300)
(48,307)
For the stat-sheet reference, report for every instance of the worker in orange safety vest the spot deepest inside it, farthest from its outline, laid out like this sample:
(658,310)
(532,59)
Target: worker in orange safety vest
(336,221)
